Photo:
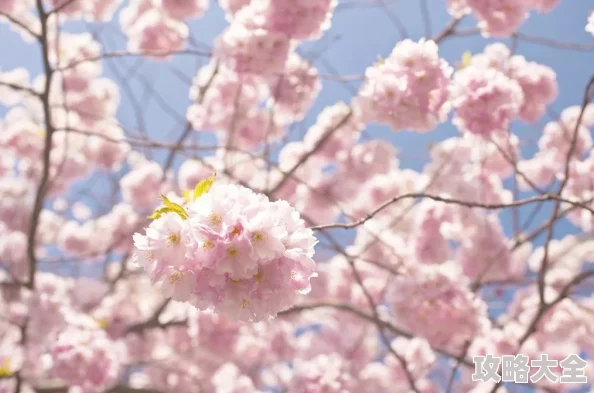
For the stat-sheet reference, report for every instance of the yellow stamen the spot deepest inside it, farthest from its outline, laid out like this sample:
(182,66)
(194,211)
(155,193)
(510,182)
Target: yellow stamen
(244,303)
(173,238)
(208,244)
(232,251)
(236,231)
(258,236)
(259,277)
(175,277)
(214,219)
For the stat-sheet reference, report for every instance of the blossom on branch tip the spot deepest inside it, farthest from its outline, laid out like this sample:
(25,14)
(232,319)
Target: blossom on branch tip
(184,9)
(305,19)
(252,51)
(485,100)
(408,90)
(230,250)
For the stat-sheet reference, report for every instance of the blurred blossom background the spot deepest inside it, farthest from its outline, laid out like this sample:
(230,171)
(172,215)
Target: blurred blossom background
(97,323)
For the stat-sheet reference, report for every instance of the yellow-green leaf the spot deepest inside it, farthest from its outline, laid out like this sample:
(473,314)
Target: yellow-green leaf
(174,207)
(170,207)
(204,186)
(158,213)
(466,58)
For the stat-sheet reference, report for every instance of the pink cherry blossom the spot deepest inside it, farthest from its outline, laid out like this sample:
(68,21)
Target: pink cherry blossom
(107,148)
(305,20)
(496,261)
(181,9)
(324,373)
(136,183)
(485,100)
(75,238)
(434,303)
(252,51)
(7,5)
(294,91)
(429,245)
(544,5)
(229,95)
(150,29)
(337,128)
(191,172)
(16,77)
(457,8)
(408,90)
(228,379)
(85,358)
(499,18)
(538,84)
(235,252)
(231,7)
(21,135)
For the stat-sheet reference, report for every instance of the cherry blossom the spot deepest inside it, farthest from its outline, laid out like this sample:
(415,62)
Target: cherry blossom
(293,92)
(408,90)
(324,373)
(184,9)
(85,359)
(231,7)
(485,100)
(252,51)
(499,18)
(232,250)
(446,312)
(305,20)
(538,84)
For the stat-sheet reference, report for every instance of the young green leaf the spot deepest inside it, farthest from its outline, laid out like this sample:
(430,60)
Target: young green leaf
(171,207)
(466,58)
(204,186)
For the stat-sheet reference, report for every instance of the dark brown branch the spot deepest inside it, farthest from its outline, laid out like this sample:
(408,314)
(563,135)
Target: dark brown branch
(20,24)
(311,152)
(43,184)
(448,30)
(147,53)
(544,263)
(522,202)
(368,317)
